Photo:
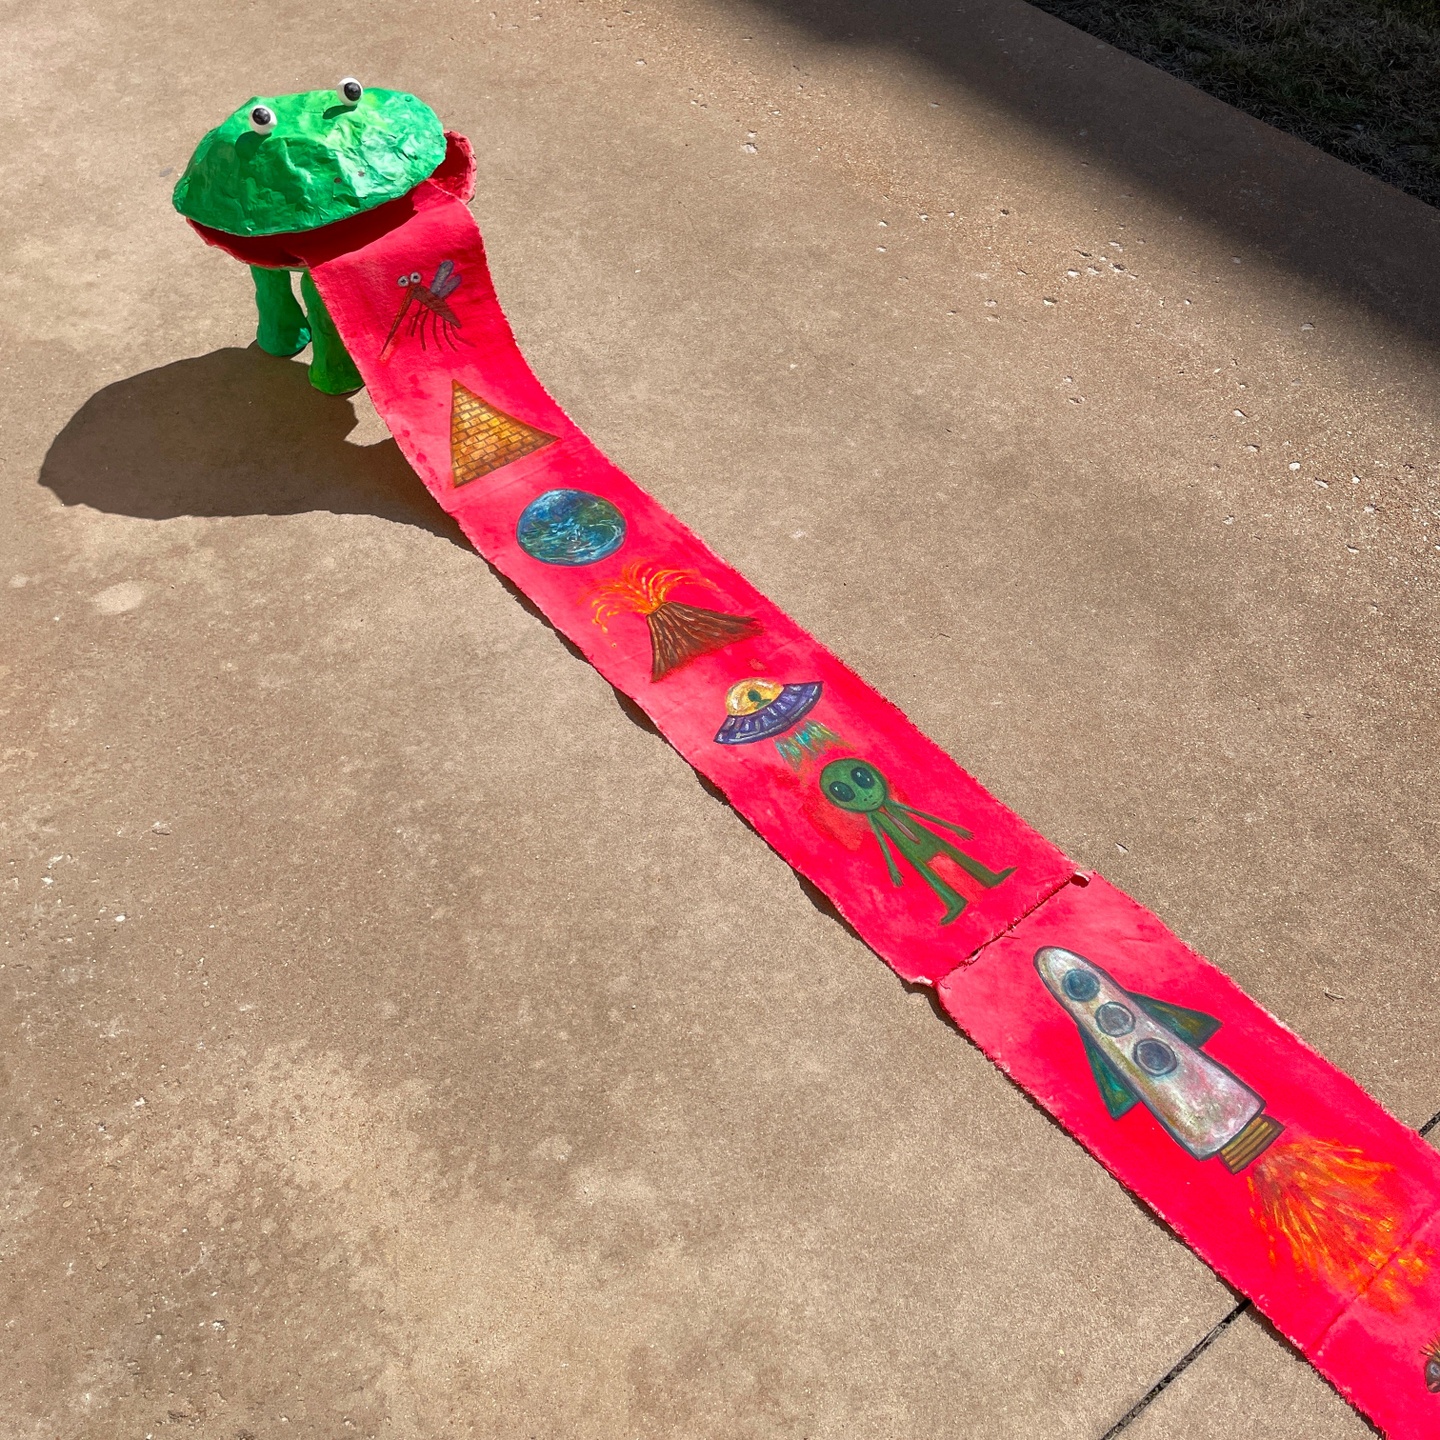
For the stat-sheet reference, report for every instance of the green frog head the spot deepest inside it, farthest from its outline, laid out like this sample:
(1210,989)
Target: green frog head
(296,162)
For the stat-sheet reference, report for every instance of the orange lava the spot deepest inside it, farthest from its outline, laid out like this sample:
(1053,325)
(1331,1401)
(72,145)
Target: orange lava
(639,590)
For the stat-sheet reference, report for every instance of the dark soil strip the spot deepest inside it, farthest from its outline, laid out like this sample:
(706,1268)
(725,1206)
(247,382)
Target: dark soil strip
(1358,78)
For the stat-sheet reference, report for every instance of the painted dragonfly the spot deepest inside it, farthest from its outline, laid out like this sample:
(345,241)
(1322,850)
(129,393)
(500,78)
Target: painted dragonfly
(425,304)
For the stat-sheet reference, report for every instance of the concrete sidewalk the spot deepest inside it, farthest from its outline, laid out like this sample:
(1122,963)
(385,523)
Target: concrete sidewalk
(399,1040)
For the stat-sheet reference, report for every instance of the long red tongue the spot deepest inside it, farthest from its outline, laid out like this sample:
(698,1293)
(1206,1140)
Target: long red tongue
(1132,1064)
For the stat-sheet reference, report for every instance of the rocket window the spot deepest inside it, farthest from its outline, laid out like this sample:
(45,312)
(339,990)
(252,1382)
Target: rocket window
(1155,1057)
(1114,1018)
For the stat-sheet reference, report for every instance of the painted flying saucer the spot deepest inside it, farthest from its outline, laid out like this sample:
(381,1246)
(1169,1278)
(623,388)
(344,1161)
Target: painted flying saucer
(761,709)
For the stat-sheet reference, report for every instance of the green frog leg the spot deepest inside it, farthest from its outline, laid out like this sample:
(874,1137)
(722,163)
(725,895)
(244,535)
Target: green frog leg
(332,370)
(282,329)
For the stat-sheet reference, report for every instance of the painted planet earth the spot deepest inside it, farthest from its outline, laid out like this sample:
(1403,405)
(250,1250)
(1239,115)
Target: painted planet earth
(570,527)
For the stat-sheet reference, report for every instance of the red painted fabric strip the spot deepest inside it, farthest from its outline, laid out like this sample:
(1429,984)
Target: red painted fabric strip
(928,874)
(1281,1173)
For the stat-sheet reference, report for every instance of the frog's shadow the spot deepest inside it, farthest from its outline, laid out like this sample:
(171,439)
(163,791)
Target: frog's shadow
(234,432)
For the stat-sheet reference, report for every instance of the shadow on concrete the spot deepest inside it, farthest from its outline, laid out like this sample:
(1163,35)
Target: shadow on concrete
(235,432)
(1316,215)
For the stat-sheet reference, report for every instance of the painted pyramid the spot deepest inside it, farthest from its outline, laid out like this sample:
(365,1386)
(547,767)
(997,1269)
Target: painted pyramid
(483,438)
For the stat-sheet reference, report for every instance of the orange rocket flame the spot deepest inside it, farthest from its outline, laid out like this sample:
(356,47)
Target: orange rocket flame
(1339,1214)
(678,632)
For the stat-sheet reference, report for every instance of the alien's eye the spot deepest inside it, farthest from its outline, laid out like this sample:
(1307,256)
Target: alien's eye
(404,281)
(350,90)
(262,119)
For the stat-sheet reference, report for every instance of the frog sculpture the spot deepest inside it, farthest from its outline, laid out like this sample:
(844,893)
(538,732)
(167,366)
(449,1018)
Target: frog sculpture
(292,177)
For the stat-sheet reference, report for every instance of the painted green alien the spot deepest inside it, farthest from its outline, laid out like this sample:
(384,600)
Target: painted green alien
(279,169)
(856,785)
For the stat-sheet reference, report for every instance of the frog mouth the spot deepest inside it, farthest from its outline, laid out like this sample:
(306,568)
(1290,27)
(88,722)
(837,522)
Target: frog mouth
(298,249)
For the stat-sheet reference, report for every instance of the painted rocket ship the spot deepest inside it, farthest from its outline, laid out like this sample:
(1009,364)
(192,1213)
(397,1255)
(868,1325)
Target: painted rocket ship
(1148,1051)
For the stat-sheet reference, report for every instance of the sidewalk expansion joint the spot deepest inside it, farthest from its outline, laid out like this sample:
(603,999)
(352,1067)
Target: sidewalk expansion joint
(1176,1370)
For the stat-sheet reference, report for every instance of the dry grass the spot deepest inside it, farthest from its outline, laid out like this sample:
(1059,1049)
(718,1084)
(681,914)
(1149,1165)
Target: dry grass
(1359,78)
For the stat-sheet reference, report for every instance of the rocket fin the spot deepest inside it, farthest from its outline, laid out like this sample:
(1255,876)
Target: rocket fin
(1117,1095)
(1192,1025)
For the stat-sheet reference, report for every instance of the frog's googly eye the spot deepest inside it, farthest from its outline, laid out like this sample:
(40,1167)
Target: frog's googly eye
(350,90)
(403,281)
(414,277)
(262,119)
